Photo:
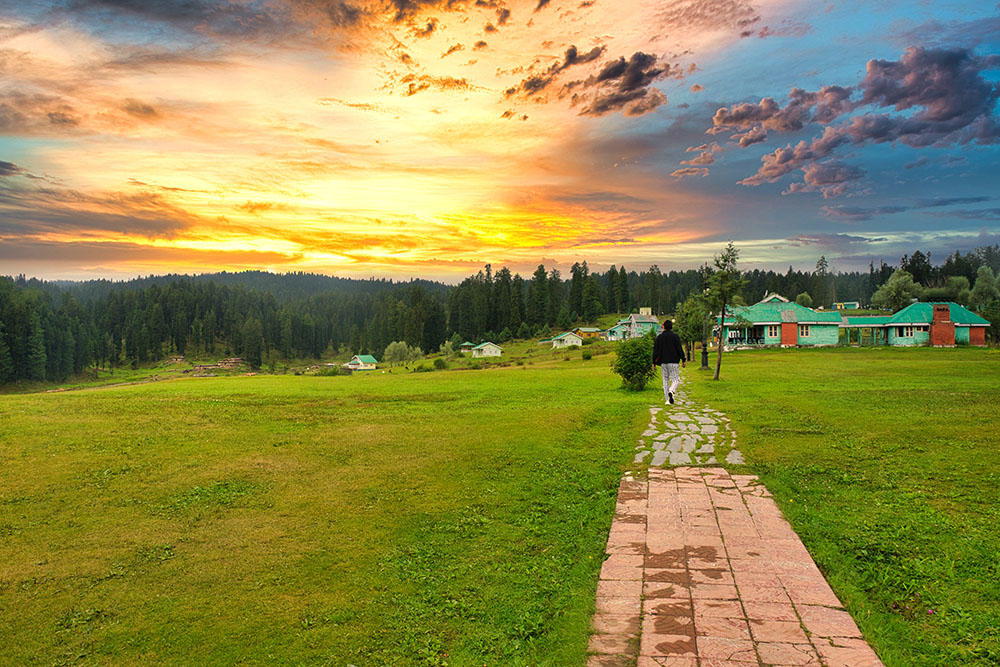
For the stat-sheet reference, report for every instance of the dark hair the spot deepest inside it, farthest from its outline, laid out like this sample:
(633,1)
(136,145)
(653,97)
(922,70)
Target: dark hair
(668,325)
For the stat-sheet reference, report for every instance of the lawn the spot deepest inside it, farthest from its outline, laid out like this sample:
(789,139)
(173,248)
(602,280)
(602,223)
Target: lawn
(436,518)
(887,463)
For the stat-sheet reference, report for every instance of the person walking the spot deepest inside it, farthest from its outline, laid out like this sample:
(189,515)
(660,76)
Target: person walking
(668,354)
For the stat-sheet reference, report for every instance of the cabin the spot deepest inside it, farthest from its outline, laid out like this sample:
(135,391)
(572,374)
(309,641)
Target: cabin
(466,347)
(939,324)
(587,332)
(487,349)
(847,305)
(567,339)
(778,322)
(618,332)
(642,323)
(361,362)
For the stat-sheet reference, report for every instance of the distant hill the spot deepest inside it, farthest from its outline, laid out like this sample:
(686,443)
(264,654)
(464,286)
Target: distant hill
(284,286)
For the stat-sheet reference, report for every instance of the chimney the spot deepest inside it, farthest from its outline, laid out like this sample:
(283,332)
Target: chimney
(942,328)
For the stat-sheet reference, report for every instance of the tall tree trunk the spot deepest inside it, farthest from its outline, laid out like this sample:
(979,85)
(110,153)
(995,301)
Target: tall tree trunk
(704,345)
(722,329)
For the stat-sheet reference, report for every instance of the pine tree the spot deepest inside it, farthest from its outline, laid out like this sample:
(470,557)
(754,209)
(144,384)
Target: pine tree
(6,361)
(36,357)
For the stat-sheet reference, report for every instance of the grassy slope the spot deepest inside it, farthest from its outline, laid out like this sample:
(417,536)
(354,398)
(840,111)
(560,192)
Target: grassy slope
(435,518)
(887,462)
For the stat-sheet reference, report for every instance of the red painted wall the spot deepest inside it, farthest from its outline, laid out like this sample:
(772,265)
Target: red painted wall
(789,333)
(977,335)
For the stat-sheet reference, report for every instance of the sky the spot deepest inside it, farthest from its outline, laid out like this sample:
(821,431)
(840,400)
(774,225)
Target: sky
(426,138)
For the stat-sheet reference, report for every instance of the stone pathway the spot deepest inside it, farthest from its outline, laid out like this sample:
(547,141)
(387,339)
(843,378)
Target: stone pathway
(704,571)
(684,434)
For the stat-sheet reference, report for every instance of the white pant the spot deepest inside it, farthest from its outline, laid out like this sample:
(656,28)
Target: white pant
(671,377)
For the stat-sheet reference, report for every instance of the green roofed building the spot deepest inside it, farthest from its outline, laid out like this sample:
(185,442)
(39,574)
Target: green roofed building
(779,322)
(941,324)
(362,362)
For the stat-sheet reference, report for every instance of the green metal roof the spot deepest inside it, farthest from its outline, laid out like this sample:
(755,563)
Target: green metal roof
(469,343)
(563,335)
(775,312)
(366,359)
(587,329)
(923,313)
(867,320)
(485,344)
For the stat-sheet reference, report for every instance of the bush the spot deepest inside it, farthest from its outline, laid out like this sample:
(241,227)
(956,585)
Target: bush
(589,341)
(440,364)
(326,371)
(635,362)
(586,356)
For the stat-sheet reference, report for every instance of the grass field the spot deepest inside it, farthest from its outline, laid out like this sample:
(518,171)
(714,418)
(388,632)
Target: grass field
(426,518)
(887,463)
(459,517)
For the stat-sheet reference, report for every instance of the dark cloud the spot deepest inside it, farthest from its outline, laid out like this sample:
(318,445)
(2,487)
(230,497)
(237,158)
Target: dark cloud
(427,30)
(139,109)
(9,169)
(489,27)
(452,49)
(789,29)
(858,213)
(535,84)
(697,87)
(503,14)
(832,178)
(974,214)
(940,97)
(709,15)
(919,162)
(541,4)
(625,85)
(480,45)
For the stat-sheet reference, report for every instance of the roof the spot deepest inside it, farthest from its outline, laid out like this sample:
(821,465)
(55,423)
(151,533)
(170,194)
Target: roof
(563,335)
(775,312)
(770,297)
(587,329)
(643,318)
(923,313)
(867,320)
(482,345)
(619,325)
(467,344)
(366,358)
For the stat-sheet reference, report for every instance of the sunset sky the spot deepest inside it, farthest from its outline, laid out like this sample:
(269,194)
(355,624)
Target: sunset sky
(425,138)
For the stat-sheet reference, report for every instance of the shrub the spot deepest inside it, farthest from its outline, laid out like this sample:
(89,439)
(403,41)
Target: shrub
(475,366)
(589,341)
(586,356)
(332,370)
(635,362)
(440,364)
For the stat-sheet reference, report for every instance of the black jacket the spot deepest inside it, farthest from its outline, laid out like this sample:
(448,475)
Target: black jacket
(667,349)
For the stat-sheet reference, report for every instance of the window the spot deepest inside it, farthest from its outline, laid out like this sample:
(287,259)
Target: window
(804,330)
(904,332)
(773,330)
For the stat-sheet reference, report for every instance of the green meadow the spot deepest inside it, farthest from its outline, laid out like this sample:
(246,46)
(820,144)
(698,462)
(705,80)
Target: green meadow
(459,517)
(887,463)
(443,518)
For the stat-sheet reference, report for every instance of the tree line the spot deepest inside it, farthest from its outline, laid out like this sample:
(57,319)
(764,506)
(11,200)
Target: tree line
(52,330)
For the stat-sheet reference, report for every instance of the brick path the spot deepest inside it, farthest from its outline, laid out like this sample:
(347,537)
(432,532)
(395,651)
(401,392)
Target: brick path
(704,571)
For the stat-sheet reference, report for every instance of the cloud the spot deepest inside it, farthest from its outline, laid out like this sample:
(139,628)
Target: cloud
(140,109)
(942,94)
(919,162)
(9,169)
(833,242)
(427,30)
(502,15)
(697,87)
(624,85)
(480,45)
(859,214)
(706,154)
(832,178)
(535,84)
(416,83)
(541,4)
(689,171)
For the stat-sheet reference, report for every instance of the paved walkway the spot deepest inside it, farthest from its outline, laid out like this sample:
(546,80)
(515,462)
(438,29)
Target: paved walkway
(704,571)
(687,434)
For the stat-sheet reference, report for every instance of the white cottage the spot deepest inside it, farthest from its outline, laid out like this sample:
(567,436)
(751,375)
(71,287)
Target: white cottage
(567,339)
(487,349)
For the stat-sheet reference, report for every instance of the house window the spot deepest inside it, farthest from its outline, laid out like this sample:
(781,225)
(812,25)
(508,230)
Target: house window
(904,332)
(773,330)
(804,330)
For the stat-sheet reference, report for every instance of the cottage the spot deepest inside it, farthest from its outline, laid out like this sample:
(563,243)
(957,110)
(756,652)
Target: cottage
(587,332)
(361,362)
(642,323)
(847,305)
(487,349)
(466,346)
(777,321)
(942,324)
(618,332)
(567,339)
